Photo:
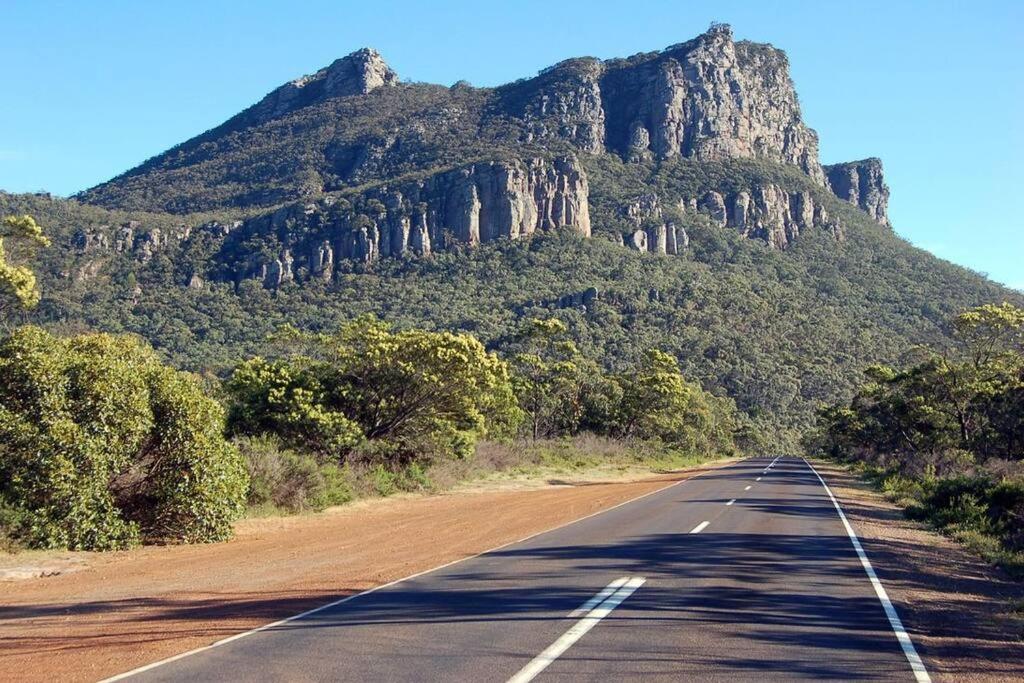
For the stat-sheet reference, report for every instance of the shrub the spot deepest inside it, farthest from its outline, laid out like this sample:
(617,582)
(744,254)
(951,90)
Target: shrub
(388,481)
(284,479)
(101,446)
(394,397)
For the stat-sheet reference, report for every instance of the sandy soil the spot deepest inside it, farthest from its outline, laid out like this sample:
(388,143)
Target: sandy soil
(958,610)
(116,611)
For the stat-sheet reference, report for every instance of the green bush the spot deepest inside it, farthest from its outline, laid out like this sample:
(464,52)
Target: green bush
(387,481)
(102,446)
(391,396)
(283,479)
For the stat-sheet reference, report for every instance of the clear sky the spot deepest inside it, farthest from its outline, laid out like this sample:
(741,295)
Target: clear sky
(935,88)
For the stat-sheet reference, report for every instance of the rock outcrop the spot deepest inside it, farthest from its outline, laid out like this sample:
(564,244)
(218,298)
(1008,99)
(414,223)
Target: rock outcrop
(768,212)
(359,73)
(564,102)
(862,183)
(129,238)
(478,203)
(653,233)
(710,98)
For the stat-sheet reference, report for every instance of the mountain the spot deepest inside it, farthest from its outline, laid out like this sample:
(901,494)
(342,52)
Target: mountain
(672,199)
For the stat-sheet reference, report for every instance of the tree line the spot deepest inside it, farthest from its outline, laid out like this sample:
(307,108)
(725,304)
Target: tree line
(944,434)
(104,446)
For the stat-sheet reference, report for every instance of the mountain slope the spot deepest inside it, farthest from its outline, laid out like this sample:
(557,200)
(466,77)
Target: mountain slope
(670,200)
(709,98)
(779,331)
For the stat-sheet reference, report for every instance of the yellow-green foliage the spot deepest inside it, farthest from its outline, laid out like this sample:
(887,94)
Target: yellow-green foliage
(554,382)
(102,446)
(564,393)
(395,395)
(18,283)
(658,402)
(945,435)
(949,409)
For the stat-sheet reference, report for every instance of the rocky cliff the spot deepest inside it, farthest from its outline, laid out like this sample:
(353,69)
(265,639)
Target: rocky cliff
(862,184)
(467,206)
(356,74)
(327,137)
(710,98)
(768,212)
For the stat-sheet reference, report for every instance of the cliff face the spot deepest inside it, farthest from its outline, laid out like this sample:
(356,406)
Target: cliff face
(710,98)
(862,184)
(467,206)
(768,212)
(353,125)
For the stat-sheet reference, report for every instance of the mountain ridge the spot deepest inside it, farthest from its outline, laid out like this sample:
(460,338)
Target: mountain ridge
(670,200)
(708,98)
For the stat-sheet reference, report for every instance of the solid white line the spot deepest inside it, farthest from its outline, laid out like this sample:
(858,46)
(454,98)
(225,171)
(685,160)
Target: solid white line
(731,502)
(578,630)
(699,528)
(286,620)
(920,673)
(747,489)
(599,598)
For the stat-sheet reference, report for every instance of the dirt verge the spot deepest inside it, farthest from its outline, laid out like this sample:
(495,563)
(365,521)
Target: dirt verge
(120,610)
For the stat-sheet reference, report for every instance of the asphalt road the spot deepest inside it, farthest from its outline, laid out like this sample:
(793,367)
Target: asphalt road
(680,584)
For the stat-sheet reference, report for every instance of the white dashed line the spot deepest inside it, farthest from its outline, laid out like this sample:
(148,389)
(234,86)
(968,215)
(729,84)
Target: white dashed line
(747,489)
(599,598)
(579,629)
(731,502)
(699,528)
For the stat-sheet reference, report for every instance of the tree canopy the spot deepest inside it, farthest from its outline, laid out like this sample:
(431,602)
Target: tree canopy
(18,282)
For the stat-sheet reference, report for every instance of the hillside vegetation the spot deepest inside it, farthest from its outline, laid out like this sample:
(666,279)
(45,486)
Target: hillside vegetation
(779,332)
(943,433)
(377,281)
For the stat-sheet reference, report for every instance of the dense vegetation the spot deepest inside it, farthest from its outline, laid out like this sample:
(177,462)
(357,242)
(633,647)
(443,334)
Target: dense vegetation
(778,332)
(945,433)
(370,403)
(396,397)
(102,446)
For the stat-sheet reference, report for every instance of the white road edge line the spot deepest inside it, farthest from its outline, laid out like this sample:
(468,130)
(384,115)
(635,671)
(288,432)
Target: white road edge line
(730,502)
(920,672)
(577,631)
(598,598)
(699,528)
(286,620)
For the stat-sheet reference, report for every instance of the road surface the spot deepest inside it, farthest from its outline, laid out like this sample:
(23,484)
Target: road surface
(746,572)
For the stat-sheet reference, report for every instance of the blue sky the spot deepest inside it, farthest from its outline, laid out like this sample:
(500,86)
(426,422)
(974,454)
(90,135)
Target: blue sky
(936,89)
